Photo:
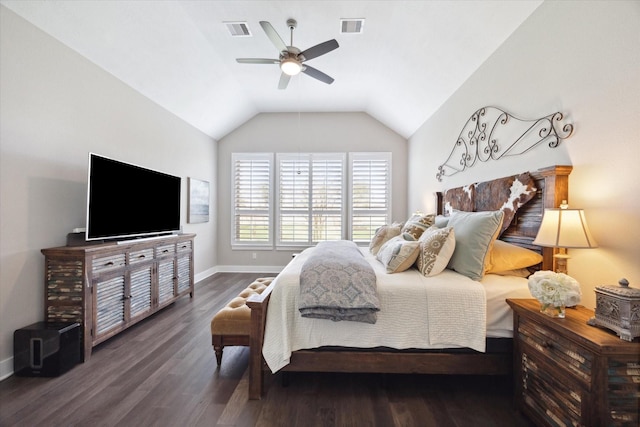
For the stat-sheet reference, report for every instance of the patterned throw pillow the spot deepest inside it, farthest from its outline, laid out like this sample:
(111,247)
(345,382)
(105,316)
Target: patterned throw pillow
(417,224)
(398,254)
(435,250)
(383,234)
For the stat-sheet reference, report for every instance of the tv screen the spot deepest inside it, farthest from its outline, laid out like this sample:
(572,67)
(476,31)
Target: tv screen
(125,200)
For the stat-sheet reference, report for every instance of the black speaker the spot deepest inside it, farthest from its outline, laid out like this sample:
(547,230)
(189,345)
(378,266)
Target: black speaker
(46,349)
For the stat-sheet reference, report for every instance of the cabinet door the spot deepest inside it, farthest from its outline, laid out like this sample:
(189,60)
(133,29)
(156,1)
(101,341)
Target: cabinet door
(184,274)
(140,292)
(110,300)
(166,282)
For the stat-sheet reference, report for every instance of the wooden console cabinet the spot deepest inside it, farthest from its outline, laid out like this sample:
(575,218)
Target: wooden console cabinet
(109,287)
(568,373)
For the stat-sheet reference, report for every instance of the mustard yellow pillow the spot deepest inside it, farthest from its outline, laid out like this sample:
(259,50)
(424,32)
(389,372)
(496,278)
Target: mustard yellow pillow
(506,256)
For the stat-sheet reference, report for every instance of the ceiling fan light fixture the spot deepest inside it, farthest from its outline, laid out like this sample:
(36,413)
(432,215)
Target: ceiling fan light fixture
(291,66)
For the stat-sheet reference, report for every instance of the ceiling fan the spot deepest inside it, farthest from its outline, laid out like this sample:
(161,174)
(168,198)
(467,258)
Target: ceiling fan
(291,58)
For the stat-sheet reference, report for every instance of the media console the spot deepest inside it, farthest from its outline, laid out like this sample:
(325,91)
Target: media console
(109,287)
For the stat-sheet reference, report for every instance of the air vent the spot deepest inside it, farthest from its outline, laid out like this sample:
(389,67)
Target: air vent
(351,26)
(238,29)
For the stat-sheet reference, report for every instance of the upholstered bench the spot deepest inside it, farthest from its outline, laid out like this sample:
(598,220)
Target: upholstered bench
(232,324)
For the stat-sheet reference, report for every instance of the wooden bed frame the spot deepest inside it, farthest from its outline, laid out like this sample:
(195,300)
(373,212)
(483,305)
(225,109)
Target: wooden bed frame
(552,184)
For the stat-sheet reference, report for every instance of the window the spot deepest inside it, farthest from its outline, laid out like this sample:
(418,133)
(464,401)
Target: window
(316,197)
(252,200)
(311,194)
(370,193)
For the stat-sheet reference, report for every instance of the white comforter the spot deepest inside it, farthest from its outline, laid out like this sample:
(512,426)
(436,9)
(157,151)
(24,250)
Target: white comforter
(445,311)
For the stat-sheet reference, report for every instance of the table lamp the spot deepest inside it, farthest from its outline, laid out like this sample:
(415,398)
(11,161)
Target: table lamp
(564,228)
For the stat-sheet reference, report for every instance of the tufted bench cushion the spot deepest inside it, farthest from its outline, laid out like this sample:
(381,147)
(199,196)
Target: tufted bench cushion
(232,324)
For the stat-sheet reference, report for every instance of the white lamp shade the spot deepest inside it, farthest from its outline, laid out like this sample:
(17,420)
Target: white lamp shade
(564,228)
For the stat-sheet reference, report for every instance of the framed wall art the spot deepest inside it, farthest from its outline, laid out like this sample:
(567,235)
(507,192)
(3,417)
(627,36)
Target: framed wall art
(198,201)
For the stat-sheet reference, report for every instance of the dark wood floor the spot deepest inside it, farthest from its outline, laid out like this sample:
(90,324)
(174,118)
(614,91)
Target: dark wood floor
(162,372)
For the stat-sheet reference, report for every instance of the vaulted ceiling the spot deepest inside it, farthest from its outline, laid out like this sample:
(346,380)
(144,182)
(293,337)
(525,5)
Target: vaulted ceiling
(410,57)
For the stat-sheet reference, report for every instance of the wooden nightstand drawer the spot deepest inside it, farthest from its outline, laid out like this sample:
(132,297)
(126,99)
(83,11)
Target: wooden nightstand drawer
(559,401)
(558,349)
(567,373)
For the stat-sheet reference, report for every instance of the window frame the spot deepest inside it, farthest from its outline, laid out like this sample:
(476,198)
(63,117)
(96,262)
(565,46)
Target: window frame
(383,156)
(309,159)
(247,157)
(348,214)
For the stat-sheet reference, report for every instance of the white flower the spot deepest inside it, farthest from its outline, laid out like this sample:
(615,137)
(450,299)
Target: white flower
(554,289)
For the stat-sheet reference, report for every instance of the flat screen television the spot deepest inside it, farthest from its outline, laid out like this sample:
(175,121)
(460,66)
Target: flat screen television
(126,200)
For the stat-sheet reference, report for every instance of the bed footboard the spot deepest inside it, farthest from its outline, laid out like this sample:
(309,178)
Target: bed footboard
(258,305)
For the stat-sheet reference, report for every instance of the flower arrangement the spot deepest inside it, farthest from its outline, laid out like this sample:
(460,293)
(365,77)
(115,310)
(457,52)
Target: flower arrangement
(555,291)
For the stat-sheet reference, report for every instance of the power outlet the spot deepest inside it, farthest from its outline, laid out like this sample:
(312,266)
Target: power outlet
(254,255)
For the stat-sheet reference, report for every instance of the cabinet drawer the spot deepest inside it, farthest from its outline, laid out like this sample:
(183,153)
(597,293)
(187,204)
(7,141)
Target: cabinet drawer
(623,390)
(107,263)
(576,360)
(185,246)
(166,250)
(136,257)
(557,402)
(65,281)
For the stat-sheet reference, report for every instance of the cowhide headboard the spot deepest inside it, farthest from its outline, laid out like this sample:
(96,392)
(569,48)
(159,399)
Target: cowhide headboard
(537,190)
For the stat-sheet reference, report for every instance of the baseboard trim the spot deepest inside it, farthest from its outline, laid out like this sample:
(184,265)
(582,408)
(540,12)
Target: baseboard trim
(249,268)
(6,368)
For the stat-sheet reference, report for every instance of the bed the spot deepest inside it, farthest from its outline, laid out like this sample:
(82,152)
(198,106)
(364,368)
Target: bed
(389,346)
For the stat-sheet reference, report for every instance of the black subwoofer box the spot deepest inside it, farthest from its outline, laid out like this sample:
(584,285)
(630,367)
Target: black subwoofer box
(46,349)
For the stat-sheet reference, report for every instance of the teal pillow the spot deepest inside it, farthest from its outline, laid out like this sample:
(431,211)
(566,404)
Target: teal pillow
(475,233)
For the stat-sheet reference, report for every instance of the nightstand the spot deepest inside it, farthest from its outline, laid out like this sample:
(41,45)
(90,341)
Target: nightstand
(569,373)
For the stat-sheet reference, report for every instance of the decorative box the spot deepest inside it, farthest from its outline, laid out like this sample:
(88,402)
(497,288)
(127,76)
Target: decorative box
(618,309)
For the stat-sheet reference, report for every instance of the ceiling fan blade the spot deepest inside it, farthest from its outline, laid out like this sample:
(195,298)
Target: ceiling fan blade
(317,74)
(284,81)
(257,61)
(320,49)
(273,36)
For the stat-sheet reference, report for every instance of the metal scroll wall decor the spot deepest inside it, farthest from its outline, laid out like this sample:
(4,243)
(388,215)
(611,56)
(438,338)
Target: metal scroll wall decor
(492,133)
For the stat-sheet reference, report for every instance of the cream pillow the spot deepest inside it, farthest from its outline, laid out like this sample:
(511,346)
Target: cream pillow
(417,224)
(398,254)
(506,256)
(475,233)
(383,234)
(435,250)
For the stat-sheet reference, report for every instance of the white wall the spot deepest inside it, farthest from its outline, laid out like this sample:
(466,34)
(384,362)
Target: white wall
(581,58)
(307,132)
(56,107)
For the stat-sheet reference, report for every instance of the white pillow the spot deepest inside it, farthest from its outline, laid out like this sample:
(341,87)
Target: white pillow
(475,233)
(435,250)
(398,253)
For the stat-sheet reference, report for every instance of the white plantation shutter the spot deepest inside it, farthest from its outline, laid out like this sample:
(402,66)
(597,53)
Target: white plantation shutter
(308,197)
(311,190)
(328,198)
(370,193)
(293,199)
(252,199)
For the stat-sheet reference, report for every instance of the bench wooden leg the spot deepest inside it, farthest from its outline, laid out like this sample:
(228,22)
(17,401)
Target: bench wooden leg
(217,347)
